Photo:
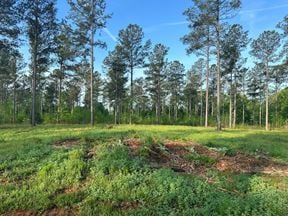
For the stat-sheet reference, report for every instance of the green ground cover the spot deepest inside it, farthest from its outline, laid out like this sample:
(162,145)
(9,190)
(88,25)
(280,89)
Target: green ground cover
(89,171)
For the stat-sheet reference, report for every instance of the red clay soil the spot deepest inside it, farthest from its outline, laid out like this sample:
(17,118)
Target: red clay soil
(134,144)
(21,213)
(174,157)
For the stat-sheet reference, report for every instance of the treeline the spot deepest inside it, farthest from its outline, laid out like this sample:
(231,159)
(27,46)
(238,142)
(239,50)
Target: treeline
(60,85)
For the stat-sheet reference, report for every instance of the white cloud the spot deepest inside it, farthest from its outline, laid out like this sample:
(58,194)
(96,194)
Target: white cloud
(107,31)
(156,27)
(263,9)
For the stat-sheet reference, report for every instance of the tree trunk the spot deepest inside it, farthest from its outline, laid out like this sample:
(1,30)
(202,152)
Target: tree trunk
(59,100)
(158,102)
(260,115)
(189,108)
(218,83)
(131,94)
(230,106)
(267,97)
(212,106)
(243,114)
(207,80)
(14,102)
(34,71)
(235,108)
(201,104)
(115,114)
(92,70)
(14,89)
(175,112)
(276,109)
(169,107)
(218,69)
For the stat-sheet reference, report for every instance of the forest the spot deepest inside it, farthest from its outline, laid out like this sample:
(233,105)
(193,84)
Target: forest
(141,133)
(60,85)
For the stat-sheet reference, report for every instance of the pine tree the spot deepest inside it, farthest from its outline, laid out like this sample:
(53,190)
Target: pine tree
(200,39)
(197,70)
(219,12)
(175,79)
(89,17)
(141,98)
(40,18)
(193,85)
(155,76)
(135,52)
(255,89)
(235,41)
(116,72)
(283,25)
(9,19)
(279,77)
(265,48)
(65,53)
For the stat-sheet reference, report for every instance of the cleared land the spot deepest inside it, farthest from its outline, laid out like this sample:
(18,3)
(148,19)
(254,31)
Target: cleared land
(142,170)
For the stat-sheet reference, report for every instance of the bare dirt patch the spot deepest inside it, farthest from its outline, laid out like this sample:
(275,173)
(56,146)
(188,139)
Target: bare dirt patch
(133,144)
(173,154)
(67,143)
(90,153)
(59,212)
(126,206)
(49,212)
(21,213)
(68,190)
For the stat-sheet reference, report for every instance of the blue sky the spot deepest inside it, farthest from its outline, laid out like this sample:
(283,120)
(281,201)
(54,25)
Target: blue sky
(163,22)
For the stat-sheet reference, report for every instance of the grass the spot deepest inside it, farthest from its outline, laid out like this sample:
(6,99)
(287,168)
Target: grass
(35,176)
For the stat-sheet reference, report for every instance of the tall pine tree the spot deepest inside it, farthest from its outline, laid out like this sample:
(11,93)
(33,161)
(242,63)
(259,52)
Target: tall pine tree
(40,18)
(89,17)
(135,51)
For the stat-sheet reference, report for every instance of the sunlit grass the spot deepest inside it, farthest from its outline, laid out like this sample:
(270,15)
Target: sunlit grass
(34,174)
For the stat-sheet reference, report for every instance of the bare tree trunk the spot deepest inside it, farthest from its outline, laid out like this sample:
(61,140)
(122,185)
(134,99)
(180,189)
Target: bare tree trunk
(158,102)
(131,94)
(14,101)
(243,114)
(260,115)
(243,105)
(41,105)
(14,89)
(218,47)
(59,99)
(115,115)
(201,104)
(235,108)
(34,71)
(276,109)
(169,111)
(176,108)
(190,108)
(92,70)
(207,80)
(212,106)
(218,80)
(230,107)
(267,98)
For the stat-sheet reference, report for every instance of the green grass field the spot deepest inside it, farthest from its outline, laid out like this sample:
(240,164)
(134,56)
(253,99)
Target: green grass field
(79,170)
